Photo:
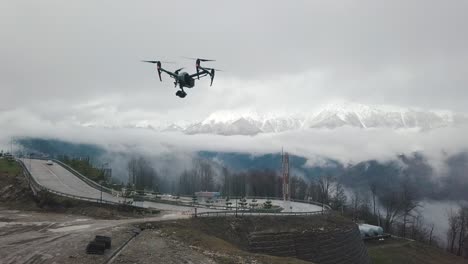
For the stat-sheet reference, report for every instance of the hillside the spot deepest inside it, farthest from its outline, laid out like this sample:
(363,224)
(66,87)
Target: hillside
(409,252)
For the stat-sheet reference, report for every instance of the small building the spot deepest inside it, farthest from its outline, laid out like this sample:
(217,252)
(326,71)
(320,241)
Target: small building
(203,197)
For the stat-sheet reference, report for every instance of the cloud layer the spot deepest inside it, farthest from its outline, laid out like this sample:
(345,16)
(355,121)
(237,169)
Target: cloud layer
(57,56)
(65,65)
(346,144)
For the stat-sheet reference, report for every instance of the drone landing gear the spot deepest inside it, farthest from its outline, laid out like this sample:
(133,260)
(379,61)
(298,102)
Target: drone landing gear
(181,93)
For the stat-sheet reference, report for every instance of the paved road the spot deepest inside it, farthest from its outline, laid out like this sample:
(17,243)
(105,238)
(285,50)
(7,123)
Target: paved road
(57,178)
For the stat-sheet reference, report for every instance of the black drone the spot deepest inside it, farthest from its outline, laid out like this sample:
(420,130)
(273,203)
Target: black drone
(184,79)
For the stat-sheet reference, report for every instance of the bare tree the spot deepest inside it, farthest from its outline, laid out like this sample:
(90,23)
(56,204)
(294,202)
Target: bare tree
(430,233)
(206,175)
(391,203)
(454,226)
(355,203)
(339,197)
(313,191)
(324,183)
(227,182)
(463,221)
(408,202)
(298,187)
(132,170)
(373,190)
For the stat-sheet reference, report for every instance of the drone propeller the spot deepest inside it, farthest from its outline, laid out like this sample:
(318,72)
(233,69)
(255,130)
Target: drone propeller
(197,64)
(198,59)
(178,70)
(158,65)
(171,62)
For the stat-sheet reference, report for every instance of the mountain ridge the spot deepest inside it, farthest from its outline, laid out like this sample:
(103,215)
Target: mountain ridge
(329,117)
(249,122)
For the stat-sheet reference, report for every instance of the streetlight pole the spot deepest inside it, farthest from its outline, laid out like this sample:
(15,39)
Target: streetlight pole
(236,206)
(100,184)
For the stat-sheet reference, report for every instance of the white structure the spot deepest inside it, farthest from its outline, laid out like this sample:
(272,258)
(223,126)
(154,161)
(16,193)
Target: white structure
(203,197)
(370,230)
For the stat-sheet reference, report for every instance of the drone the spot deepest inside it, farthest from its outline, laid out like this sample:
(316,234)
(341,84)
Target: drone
(184,79)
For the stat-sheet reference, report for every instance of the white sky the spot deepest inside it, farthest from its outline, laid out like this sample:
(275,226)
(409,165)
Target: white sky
(64,63)
(59,55)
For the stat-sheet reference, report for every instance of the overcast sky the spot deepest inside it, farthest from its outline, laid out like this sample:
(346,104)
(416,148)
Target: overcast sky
(72,60)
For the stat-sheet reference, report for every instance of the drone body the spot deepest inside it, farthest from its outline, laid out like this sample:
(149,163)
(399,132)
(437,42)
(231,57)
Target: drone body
(184,79)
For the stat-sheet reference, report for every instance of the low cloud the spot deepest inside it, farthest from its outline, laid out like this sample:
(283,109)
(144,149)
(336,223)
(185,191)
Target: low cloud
(345,144)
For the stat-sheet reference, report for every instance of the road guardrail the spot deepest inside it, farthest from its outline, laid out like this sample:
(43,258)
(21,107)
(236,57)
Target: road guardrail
(36,186)
(254,213)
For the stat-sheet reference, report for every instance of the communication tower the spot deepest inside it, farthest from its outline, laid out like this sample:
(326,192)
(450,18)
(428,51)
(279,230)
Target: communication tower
(285,171)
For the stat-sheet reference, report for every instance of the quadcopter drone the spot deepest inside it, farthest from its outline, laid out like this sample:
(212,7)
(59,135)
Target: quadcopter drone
(184,79)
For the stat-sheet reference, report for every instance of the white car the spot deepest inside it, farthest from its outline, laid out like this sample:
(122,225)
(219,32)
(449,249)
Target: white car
(49,162)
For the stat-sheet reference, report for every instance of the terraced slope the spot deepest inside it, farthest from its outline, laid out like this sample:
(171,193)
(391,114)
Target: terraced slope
(321,246)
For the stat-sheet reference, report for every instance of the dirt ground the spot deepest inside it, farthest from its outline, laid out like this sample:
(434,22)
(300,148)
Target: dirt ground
(47,230)
(38,237)
(166,243)
(153,246)
(189,241)
(33,237)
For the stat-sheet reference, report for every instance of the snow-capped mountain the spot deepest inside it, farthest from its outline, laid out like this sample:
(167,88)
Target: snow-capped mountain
(329,117)
(245,123)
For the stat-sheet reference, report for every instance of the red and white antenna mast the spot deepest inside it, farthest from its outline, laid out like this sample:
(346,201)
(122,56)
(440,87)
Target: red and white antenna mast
(285,171)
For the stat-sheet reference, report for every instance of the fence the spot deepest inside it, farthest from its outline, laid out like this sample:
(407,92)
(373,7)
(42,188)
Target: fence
(233,199)
(36,187)
(255,213)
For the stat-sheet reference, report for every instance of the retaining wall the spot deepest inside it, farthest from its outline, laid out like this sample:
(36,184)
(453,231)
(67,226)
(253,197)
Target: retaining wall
(328,247)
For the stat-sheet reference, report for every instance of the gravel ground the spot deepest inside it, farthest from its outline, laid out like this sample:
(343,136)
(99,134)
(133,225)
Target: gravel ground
(152,246)
(34,237)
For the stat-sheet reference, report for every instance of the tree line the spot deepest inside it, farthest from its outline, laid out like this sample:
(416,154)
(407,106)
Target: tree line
(457,234)
(392,202)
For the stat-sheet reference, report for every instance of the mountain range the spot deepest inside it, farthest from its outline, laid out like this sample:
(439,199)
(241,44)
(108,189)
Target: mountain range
(327,117)
(331,116)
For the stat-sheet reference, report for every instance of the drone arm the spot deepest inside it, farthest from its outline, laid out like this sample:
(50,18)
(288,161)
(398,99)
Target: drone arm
(171,74)
(199,75)
(202,73)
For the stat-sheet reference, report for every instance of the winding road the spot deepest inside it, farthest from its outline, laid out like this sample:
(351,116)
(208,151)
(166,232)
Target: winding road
(57,178)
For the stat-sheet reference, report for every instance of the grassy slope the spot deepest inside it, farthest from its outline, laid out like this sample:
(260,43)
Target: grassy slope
(9,167)
(408,252)
(14,189)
